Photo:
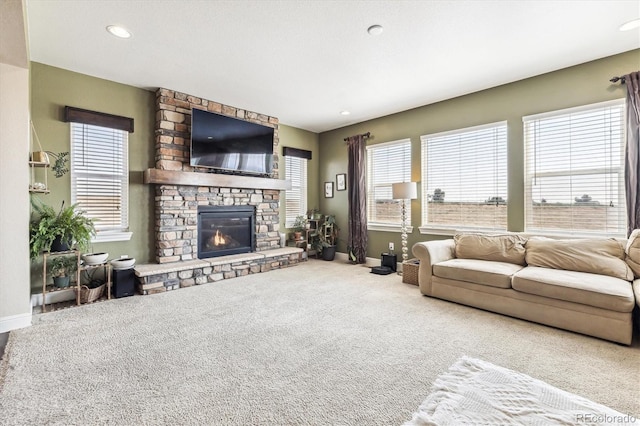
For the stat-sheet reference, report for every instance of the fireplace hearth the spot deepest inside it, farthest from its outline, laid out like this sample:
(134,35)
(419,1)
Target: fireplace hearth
(225,230)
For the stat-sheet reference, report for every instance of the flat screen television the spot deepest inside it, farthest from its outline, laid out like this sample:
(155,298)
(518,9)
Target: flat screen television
(230,144)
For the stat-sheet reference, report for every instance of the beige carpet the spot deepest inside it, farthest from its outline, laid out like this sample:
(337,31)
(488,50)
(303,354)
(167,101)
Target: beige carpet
(322,343)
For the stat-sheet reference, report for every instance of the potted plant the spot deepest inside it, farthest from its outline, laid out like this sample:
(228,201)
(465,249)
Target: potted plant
(299,225)
(314,214)
(325,239)
(61,269)
(58,231)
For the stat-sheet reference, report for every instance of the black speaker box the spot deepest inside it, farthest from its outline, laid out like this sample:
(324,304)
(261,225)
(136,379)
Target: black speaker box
(124,283)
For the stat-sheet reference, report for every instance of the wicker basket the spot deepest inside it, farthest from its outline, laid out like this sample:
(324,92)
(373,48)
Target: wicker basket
(410,271)
(88,295)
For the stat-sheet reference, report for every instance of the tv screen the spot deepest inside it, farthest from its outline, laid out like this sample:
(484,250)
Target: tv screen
(230,144)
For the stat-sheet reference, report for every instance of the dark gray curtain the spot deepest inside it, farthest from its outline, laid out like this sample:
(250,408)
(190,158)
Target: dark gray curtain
(357,192)
(632,152)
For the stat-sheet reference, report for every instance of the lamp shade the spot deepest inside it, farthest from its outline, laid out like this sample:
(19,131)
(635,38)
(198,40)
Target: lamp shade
(404,191)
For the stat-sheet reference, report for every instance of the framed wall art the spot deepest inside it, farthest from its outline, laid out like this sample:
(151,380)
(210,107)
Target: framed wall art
(341,182)
(328,190)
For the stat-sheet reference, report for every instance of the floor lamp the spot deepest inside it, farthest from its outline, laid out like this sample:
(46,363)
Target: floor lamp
(404,191)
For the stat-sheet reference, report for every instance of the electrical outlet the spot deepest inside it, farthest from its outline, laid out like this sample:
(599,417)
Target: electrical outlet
(391,246)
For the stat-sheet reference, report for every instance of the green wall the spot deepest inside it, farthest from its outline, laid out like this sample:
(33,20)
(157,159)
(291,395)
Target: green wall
(303,139)
(54,88)
(579,85)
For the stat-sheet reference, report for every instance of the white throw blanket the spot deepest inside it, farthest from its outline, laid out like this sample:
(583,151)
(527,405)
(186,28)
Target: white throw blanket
(475,392)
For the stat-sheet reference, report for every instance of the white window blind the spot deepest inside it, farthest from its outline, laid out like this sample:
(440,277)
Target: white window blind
(99,175)
(296,197)
(387,163)
(464,178)
(574,180)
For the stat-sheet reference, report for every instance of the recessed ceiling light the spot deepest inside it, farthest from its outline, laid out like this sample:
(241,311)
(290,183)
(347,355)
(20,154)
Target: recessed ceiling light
(118,31)
(344,113)
(375,29)
(630,25)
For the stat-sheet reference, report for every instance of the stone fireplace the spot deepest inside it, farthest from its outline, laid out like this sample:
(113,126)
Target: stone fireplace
(177,203)
(242,236)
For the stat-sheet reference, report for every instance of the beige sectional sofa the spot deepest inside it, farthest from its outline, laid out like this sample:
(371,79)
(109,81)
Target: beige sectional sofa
(582,285)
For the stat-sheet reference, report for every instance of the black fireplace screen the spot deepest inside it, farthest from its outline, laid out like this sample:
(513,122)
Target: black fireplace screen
(224,230)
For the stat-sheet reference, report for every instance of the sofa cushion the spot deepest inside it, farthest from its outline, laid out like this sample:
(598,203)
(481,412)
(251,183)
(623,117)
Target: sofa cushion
(501,248)
(633,252)
(494,274)
(603,256)
(636,291)
(600,291)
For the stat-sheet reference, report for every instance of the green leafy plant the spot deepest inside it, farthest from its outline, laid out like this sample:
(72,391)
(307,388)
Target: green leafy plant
(72,226)
(300,223)
(330,231)
(92,280)
(314,214)
(326,235)
(63,266)
(60,165)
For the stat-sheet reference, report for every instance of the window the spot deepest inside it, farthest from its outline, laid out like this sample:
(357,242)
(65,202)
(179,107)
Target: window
(387,163)
(100,178)
(574,179)
(296,197)
(464,179)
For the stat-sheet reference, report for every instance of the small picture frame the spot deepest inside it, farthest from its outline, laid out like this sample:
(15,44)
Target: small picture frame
(328,190)
(341,182)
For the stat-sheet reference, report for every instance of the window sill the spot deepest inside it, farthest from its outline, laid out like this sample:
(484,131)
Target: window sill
(107,237)
(427,230)
(570,235)
(431,230)
(385,227)
(437,231)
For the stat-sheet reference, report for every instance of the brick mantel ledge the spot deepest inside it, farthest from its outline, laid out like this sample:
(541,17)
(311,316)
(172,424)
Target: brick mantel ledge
(176,177)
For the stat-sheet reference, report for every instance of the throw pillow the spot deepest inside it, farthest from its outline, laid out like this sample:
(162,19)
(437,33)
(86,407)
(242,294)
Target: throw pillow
(500,248)
(633,252)
(596,256)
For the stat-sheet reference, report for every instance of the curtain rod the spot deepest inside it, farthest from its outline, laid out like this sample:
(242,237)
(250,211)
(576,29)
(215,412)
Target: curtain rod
(615,79)
(366,135)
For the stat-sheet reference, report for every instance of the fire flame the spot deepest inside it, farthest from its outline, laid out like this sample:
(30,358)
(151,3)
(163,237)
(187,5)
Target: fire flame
(218,239)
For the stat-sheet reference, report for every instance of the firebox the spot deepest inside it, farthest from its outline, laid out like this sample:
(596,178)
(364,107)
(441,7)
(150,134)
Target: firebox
(224,230)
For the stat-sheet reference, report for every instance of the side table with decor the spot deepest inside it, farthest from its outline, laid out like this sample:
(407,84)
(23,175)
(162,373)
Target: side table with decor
(75,254)
(94,287)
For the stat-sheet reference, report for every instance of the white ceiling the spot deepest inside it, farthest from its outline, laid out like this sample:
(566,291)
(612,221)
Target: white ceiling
(305,61)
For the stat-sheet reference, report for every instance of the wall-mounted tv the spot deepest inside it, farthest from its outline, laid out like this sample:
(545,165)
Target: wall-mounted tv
(230,144)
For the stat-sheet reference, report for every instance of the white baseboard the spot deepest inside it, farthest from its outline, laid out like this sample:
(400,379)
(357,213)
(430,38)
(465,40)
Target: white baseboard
(14,322)
(55,297)
(370,261)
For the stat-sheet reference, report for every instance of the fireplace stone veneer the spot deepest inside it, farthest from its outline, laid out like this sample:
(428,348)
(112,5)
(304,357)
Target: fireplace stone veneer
(181,189)
(155,278)
(176,206)
(177,217)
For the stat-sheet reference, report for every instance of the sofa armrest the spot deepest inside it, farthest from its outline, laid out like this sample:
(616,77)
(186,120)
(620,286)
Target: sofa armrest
(636,291)
(430,253)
